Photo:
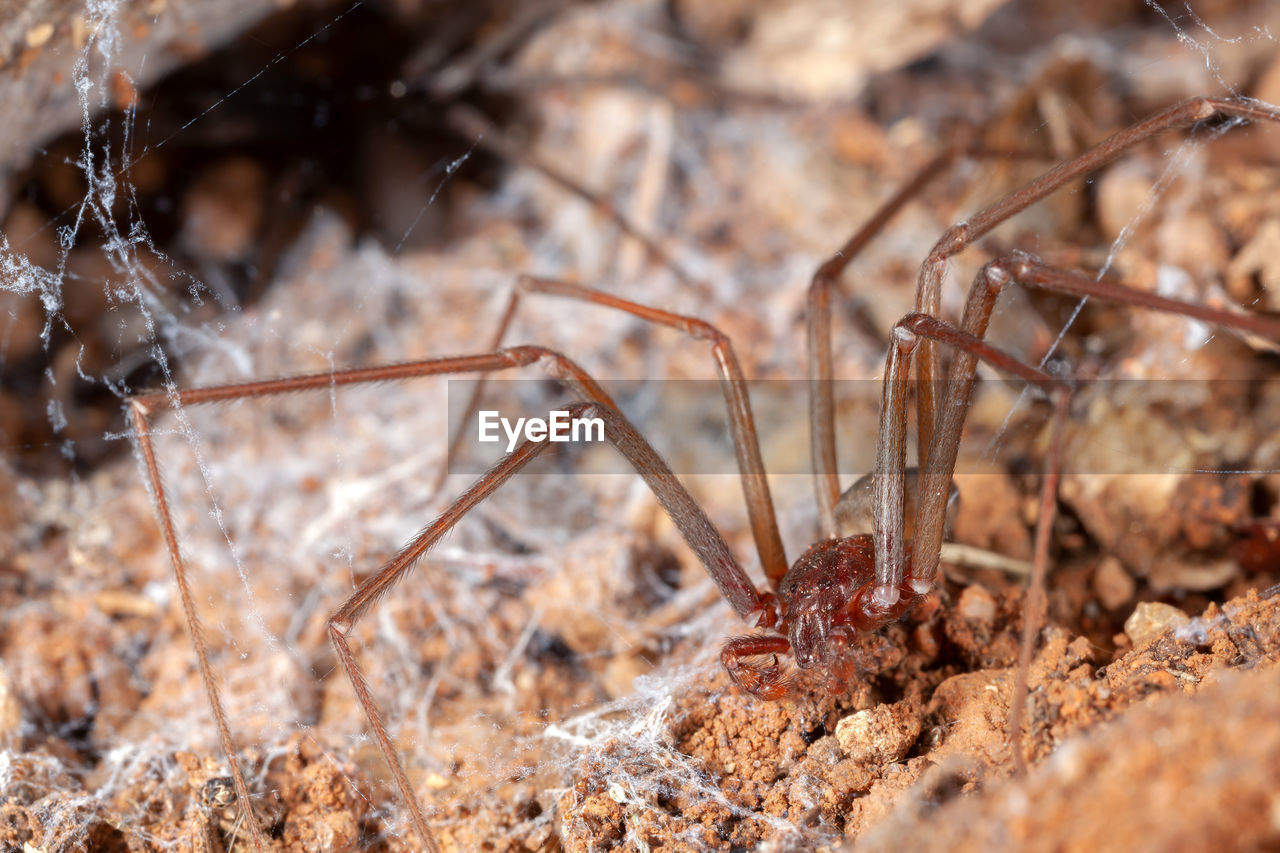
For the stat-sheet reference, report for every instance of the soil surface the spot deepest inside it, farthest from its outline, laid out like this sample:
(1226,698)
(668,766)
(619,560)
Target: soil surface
(550,671)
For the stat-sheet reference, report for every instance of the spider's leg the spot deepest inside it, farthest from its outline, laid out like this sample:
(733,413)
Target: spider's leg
(969,346)
(144,407)
(688,517)
(822,430)
(742,425)
(765,681)
(1036,601)
(964,234)
(141,409)
(889,484)
(935,476)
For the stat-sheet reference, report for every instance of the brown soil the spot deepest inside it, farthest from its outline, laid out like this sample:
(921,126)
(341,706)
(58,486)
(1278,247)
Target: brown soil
(550,673)
(940,752)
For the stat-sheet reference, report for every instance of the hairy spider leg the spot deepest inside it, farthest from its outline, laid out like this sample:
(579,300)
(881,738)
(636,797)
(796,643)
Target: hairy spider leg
(953,241)
(820,361)
(693,524)
(936,475)
(733,384)
(965,233)
(688,517)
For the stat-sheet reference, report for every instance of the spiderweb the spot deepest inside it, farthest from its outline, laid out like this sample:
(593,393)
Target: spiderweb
(549,651)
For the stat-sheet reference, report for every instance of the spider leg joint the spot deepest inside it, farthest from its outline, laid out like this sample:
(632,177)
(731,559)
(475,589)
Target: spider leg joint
(904,338)
(885,596)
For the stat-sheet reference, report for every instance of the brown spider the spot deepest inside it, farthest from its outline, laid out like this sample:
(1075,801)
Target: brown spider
(841,585)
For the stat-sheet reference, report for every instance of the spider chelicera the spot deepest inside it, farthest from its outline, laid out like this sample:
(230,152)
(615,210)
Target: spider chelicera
(840,586)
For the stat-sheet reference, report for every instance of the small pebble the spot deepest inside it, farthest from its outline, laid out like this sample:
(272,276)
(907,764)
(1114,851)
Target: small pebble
(881,735)
(976,605)
(1150,619)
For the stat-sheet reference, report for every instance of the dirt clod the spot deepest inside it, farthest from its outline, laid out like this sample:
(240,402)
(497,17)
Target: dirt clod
(879,735)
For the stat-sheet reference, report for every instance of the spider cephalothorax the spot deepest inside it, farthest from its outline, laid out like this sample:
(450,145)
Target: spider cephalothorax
(825,600)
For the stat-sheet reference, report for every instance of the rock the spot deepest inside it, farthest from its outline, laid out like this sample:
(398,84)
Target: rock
(881,735)
(976,605)
(1150,619)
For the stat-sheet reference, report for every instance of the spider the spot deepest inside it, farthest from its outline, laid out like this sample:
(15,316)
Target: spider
(843,584)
